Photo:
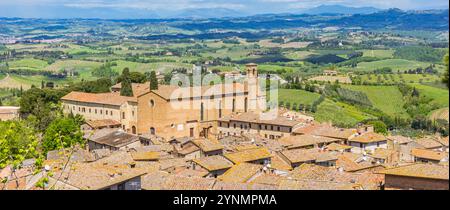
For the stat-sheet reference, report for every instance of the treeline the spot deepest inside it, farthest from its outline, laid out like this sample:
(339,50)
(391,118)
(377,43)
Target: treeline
(420,53)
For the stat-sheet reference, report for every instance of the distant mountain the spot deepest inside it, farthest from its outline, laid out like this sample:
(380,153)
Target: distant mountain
(339,9)
(208,13)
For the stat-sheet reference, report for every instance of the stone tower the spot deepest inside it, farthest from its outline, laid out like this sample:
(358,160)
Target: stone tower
(256,95)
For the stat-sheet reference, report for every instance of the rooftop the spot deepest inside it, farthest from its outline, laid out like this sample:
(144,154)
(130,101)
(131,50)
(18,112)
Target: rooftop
(117,139)
(213,163)
(251,117)
(114,99)
(429,154)
(241,172)
(248,155)
(369,137)
(207,145)
(420,170)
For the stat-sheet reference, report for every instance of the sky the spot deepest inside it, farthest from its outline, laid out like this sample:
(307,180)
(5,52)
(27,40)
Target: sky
(168,8)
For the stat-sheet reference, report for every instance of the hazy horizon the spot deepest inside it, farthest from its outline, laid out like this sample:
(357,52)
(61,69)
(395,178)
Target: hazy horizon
(139,9)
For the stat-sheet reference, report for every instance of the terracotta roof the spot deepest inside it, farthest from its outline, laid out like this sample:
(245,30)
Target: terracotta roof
(338,133)
(213,163)
(381,153)
(154,180)
(248,155)
(278,163)
(176,182)
(145,156)
(289,184)
(337,147)
(369,137)
(354,162)
(251,117)
(207,145)
(420,170)
(267,179)
(94,176)
(170,92)
(98,98)
(400,139)
(429,143)
(138,88)
(310,128)
(299,141)
(102,123)
(428,154)
(443,141)
(306,155)
(241,172)
(367,180)
(117,139)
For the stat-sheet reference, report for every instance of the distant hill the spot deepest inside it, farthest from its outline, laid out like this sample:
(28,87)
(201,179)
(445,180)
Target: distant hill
(339,9)
(208,13)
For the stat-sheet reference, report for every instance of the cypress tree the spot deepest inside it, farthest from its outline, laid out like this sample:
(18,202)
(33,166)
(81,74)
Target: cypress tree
(126,89)
(153,81)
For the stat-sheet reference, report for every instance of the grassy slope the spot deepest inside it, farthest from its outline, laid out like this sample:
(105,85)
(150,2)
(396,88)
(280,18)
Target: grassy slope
(340,114)
(395,64)
(439,96)
(32,64)
(386,98)
(297,96)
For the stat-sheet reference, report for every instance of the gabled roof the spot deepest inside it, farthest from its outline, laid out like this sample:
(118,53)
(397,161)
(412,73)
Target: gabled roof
(213,163)
(241,172)
(299,141)
(207,145)
(428,143)
(420,170)
(114,99)
(306,155)
(250,117)
(117,139)
(428,154)
(369,137)
(248,155)
(145,156)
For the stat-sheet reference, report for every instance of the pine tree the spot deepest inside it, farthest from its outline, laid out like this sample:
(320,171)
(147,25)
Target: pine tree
(153,81)
(126,88)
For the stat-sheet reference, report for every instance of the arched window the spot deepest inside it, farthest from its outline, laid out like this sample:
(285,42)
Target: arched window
(201,112)
(152,131)
(133,129)
(234,105)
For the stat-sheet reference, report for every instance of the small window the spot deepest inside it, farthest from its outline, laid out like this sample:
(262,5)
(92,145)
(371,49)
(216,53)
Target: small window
(152,103)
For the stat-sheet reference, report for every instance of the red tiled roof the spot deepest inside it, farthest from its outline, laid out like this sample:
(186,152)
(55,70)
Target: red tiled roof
(98,98)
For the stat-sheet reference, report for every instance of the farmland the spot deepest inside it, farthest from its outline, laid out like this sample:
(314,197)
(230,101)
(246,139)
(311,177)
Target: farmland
(388,99)
(394,64)
(297,96)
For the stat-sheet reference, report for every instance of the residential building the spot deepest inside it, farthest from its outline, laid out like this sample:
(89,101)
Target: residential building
(419,176)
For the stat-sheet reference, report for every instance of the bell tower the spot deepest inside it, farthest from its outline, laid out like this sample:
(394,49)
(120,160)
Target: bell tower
(252,70)
(256,97)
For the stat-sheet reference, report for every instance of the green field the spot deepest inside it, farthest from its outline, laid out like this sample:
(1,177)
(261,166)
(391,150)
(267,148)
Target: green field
(340,114)
(406,78)
(388,99)
(147,67)
(75,65)
(439,95)
(297,96)
(29,64)
(394,64)
(378,53)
